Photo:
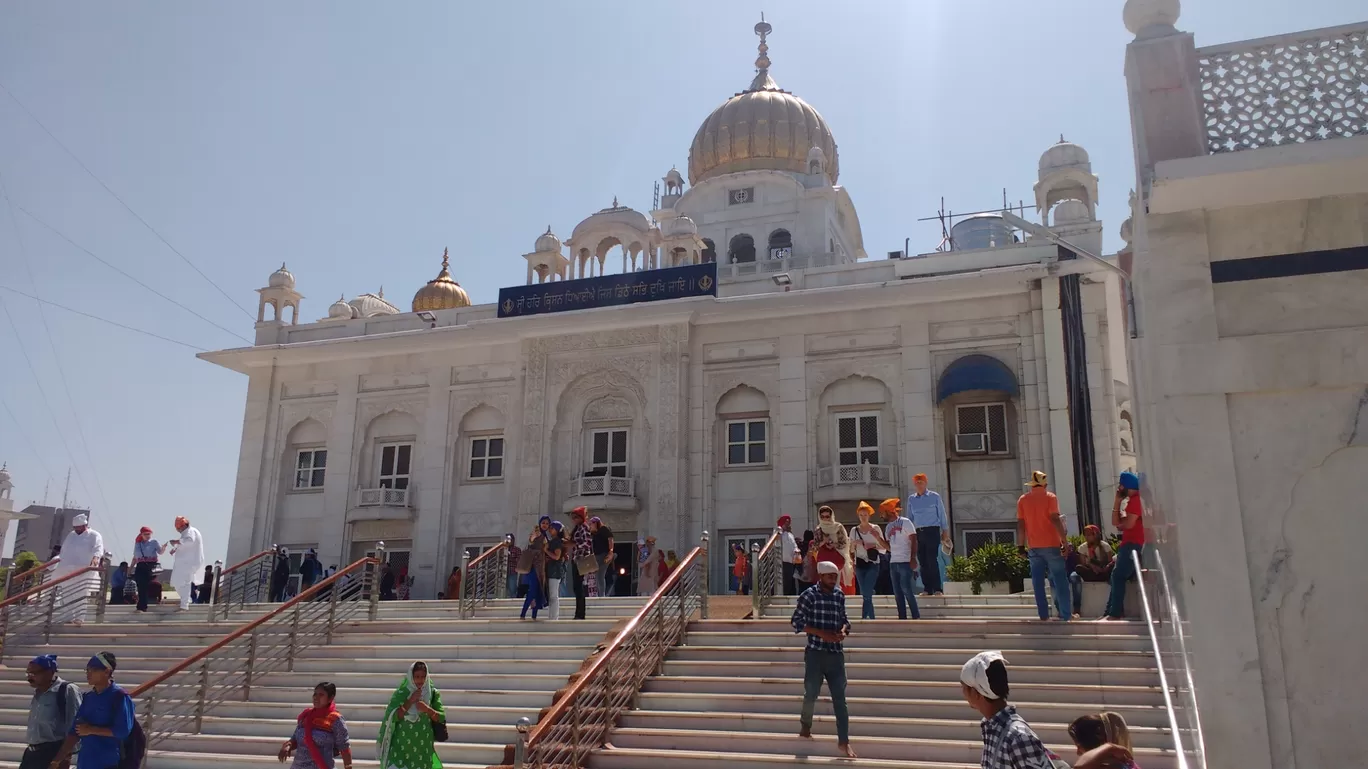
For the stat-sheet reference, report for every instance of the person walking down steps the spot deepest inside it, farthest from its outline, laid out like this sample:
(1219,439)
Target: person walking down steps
(821,614)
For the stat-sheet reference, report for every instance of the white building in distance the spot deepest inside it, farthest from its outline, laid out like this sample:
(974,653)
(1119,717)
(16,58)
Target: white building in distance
(710,365)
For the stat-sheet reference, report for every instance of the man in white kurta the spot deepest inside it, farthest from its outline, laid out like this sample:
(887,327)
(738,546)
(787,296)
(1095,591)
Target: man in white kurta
(189,552)
(82,547)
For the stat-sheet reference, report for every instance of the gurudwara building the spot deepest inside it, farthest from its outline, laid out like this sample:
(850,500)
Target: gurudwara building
(731,356)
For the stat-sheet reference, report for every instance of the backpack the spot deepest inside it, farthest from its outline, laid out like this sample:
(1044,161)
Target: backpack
(133,749)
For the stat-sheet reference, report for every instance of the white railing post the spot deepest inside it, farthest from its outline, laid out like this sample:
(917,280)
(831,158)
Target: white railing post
(520,747)
(755,578)
(215,585)
(466,587)
(102,600)
(375,580)
(705,563)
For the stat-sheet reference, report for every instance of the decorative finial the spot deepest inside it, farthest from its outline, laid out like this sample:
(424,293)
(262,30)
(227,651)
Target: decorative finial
(381,295)
(446,262)
(615,203)
(548,229)
(1061,139)
(763,29)
(282,266)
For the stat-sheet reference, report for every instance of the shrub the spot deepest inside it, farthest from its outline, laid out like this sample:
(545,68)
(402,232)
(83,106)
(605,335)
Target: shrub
(997,562)
(959,570)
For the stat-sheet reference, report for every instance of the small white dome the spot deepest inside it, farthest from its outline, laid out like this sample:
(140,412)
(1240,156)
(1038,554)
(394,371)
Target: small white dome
(340,310)
(674,177)
(548,242)
(1064,155)
(681,226)
(1150,16)
(1071,212)
(816,153)
(281,278)
(4,473)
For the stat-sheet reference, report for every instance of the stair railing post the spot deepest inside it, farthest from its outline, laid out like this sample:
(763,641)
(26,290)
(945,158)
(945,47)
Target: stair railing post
(520,747)
(215,586)
(203,694)
(375,581)
(251,665)
(466,587)
(47,615)
(501,587)
(102,600)
(9,577)
(294,640)
(756,580)
(334,593)
(703,564)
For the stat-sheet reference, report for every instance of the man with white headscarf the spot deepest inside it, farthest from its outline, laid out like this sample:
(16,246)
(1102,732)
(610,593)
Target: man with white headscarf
(1008,741)
(189,552)
(821,614)
(82,547)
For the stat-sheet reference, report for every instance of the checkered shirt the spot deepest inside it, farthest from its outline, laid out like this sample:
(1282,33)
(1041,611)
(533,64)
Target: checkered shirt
(1009,743)
(822,610)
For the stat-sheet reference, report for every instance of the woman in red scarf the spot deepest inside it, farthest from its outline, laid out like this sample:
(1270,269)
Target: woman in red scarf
(320,734)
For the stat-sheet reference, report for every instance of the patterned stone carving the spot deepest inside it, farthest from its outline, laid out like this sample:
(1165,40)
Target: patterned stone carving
(609,408)
(465,400)
(983,506)
(477,524)
(368,410)
(719,383)
(1284,90)
(822,375)
(294,413)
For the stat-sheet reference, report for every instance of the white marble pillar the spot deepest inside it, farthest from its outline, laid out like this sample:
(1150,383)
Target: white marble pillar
(342,477)
(795,432)
(919,454)
(430,529)
(1057,392)
(247,530)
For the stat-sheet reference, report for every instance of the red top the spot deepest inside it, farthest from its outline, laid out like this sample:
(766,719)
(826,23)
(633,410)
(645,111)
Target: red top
(1135,535)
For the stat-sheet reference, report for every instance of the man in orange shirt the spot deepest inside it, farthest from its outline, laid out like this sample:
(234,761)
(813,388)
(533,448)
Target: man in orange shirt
(1041,528)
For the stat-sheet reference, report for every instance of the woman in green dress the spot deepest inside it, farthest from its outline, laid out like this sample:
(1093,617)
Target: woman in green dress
(406,740)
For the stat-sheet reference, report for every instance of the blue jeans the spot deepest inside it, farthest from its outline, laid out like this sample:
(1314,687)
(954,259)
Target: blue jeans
(819,665)
(1049,559)
(1121,574)
(534,600)
(1075,582)
(514,579)
(866,576)
(904,591)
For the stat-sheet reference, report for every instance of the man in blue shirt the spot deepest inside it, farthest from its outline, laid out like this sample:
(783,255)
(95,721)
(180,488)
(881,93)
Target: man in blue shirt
(104,720)
(821,614)
(927,511)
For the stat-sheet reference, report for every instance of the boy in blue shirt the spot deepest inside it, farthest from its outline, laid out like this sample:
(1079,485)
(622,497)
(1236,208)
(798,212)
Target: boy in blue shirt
(104,720)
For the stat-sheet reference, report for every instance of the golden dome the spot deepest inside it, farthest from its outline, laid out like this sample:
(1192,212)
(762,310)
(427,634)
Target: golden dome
(441,293)
(761,128)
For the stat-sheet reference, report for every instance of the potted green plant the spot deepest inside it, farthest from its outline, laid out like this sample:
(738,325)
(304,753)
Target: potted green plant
(958,576)
(998,568)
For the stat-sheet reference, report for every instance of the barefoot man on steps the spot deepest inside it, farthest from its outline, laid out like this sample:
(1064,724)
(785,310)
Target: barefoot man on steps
(821,614)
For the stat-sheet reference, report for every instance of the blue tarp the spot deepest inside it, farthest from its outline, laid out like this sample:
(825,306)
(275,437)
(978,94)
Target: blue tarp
(976,372)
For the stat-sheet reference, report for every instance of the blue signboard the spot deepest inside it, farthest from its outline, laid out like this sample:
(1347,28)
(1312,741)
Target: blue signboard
(609,290)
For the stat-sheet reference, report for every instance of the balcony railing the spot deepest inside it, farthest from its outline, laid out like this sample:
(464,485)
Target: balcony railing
(1289,89)
(384,497)
(602,485)
(764,265)
(856,475)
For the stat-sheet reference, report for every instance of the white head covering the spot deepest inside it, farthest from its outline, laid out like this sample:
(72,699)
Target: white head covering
(425,697)
(974,674)
(827,567)
(80,520)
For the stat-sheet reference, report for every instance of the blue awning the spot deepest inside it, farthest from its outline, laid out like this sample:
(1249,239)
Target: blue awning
(976,372)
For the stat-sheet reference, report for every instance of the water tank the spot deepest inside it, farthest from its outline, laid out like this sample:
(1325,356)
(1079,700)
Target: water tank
(982,231)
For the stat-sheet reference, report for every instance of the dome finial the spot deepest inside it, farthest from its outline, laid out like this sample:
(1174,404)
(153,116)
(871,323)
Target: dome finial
(615,203)
(446,261)
(763,81)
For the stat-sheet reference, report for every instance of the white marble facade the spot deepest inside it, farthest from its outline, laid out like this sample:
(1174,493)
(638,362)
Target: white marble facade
(831,381)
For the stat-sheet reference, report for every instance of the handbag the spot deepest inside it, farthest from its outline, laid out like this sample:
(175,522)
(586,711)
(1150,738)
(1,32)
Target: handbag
(587,564)
(439,731)
(525,562)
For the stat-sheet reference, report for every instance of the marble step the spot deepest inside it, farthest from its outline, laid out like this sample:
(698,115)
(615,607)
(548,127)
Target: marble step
(793,652)
(14,712)
(965,728)
(904,670)
(1102,696)
(966,643)
(896,627)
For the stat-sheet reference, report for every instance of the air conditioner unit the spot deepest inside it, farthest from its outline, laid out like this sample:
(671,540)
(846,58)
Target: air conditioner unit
(971,443)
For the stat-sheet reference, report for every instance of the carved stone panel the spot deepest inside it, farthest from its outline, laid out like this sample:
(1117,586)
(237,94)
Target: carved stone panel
(983,506)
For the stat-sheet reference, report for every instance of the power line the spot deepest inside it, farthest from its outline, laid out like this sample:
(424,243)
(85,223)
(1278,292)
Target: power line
(33,447)
(106,263)
(74,311)
(57,358)
(115,195)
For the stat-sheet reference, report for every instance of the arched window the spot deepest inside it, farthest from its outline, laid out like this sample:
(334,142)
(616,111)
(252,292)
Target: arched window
(780,244)
(742,249)
(709,250)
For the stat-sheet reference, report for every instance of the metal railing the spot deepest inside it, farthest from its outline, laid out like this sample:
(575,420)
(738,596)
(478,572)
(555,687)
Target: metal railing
(1284,90)
(484,578)
(855,475)
(1181,755)
(27,579)
(29,617)
(176,701)
(384,497)
(769,265)
(580,720)
(242,583)
(767,573)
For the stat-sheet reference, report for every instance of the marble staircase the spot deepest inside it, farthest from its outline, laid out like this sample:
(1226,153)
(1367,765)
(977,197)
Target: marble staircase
(491,671)
(731,695)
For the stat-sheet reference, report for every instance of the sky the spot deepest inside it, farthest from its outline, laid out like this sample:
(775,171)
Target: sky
(208,143)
